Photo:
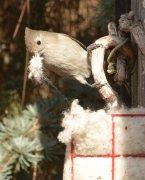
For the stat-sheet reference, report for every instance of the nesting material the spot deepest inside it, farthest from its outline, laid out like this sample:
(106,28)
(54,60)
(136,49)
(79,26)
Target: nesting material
(35,68)
(85,129)
(103,145)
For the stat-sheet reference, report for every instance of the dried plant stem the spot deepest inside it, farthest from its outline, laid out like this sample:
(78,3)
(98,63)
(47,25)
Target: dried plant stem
(25,80)
(20,20)
(35,168)
(27,2)
(35,165)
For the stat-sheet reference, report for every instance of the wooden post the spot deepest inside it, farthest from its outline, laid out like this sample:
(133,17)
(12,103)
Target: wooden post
(136,26)
(121,7)
(138,7)
(105,90)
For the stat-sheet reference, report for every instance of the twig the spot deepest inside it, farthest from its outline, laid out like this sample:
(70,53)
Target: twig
(105,90)
(20,20)
(28,7)
(35,168)
(109,59)
(27,2)
(25,80)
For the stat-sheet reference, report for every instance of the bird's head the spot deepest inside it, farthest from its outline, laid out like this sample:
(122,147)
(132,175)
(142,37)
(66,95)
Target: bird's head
(34,40)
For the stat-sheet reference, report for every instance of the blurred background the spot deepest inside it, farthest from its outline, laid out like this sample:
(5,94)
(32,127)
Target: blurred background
(85,20)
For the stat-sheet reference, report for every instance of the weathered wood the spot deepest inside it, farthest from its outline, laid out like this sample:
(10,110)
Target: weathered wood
(105,90)
(110,41)
(121,69)
(135,25)
(127,24)
(115,40)
(141,79)
(106,42)
(110,58)
(139,37)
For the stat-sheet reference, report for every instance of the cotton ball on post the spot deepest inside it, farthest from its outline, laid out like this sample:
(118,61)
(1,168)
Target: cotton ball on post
(85,128)
(74,123)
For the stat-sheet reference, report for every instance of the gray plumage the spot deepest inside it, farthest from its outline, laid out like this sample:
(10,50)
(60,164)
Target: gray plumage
(62,54)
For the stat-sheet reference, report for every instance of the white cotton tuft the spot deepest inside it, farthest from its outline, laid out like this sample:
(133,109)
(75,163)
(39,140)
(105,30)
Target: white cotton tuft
(70,123)
(84,127)
(35,68)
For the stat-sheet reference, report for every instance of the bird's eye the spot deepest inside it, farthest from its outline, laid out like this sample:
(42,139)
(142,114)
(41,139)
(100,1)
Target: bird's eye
(38,42)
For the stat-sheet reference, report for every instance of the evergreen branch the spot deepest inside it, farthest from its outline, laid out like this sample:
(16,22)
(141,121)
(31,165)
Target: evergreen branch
(20,140)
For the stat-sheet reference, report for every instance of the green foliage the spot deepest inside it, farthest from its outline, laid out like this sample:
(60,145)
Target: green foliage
(25,141)
(19,141)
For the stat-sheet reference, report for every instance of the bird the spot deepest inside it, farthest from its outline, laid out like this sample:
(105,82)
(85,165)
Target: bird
(57,53)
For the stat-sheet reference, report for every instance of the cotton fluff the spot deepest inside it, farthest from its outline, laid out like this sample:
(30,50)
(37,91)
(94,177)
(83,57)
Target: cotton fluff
(86,129)
(35,68)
